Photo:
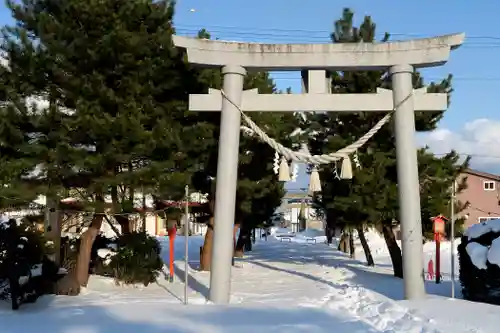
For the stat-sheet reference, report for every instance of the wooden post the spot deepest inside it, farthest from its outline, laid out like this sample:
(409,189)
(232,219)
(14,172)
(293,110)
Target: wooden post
(439,230)
(438,257)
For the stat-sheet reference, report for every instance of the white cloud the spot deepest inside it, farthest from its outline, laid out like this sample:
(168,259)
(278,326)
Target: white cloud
(479,138)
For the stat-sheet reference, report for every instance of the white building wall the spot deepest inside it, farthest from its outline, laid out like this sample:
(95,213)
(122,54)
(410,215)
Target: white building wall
(151,225)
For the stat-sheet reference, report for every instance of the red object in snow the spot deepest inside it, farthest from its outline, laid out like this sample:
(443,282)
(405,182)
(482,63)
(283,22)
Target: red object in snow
(439,230)
(439,224)
(171,238)
(430,270)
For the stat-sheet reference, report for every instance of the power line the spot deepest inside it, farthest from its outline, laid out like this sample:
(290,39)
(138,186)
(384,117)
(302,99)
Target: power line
(482,210)
(211,28)
(314,35)
(281,38)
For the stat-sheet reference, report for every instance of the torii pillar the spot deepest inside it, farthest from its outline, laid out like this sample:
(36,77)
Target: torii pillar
(399,58)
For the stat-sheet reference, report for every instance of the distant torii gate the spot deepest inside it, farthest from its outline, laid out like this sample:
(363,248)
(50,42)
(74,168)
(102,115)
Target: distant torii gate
(399,58)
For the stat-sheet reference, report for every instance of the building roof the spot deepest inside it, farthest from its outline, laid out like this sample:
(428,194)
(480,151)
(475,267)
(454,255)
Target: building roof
(482,174)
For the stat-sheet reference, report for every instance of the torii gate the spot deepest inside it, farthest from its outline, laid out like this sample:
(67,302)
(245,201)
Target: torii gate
(399,58)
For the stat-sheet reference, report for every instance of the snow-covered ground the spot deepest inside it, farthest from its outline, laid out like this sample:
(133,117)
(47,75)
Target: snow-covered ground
(284,285)
(383,260)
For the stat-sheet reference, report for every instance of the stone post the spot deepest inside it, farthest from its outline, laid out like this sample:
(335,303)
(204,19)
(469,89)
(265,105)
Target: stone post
(408,182)
(225,191)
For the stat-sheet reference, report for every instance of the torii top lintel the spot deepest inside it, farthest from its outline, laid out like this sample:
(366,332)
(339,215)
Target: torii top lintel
(426,52)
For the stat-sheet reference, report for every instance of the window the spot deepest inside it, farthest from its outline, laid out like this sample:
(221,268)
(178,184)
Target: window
(489,185)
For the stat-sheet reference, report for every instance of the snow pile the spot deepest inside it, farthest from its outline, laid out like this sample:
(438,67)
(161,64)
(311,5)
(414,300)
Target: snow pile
(4,221)
(311,233)
(281,232)
(494,252)
(107,253)
(478,254)
(382,314)
(477,230)
(36,270)
(308,235)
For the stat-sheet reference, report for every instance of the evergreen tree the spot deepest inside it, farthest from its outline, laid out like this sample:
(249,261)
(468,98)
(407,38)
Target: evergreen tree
(370,198)
(17,130)
(117,91)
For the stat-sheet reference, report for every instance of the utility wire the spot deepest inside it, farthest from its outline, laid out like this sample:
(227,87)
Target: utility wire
(292,32)
(314,35)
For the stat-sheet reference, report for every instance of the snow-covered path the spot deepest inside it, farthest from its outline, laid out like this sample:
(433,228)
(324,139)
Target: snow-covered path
(321,270)
(278,287)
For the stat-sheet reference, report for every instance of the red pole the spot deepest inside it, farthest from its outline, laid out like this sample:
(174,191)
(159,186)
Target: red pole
(438,257)
(171,238)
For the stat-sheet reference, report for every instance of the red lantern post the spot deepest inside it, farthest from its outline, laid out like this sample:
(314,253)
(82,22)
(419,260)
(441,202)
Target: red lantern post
(439,230)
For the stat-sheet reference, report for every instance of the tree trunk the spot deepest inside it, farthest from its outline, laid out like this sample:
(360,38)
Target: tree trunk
(206,250)
(144,227)
(330,234)
(237,253)
(343,242)
(366,247)
(71,283)
(352,249)
(112,226)
(239,249)
(330,226)
(235,231)
(248,242)
(394,250)
(124,222)
(86,242)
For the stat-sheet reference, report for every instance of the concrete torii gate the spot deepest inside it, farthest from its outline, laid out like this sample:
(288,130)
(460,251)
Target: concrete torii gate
(399,58)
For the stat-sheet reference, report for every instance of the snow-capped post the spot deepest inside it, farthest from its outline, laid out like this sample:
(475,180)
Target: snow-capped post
(439,230)
(186,249)
(315,60)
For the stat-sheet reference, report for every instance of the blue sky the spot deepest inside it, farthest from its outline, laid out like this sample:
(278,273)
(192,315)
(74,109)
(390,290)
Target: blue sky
(474,65)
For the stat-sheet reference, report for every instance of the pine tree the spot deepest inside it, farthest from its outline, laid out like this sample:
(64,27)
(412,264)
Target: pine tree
(17,124)
(352,204)
(117,92)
